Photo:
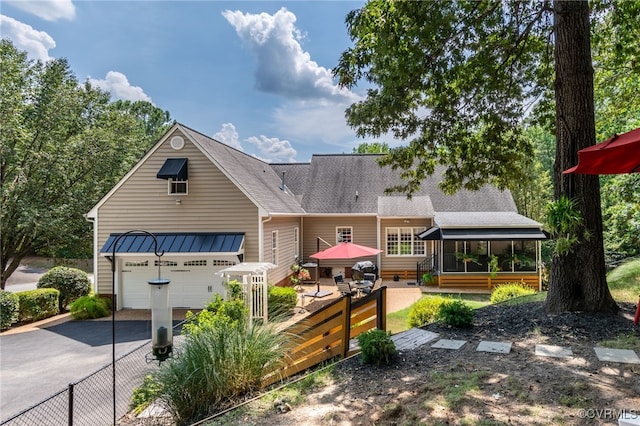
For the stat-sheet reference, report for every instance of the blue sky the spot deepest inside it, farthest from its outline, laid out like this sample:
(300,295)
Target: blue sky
(253,74)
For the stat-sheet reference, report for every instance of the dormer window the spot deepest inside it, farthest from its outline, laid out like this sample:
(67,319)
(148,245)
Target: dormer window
(177,186)
(176,171)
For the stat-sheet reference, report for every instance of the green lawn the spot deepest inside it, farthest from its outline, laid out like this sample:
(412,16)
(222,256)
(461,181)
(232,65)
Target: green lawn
(624,283)
(397,321)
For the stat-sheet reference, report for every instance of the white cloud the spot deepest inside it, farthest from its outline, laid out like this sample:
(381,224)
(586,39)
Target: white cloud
(273,150)
(25,37)
(283,67)
(117,84)
(314,125)
(49,10)
(229,135)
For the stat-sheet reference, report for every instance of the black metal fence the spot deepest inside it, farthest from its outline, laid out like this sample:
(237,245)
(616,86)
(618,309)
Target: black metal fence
(90,401)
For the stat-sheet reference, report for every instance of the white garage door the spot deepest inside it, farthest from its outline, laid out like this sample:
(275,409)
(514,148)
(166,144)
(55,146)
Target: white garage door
(193,281)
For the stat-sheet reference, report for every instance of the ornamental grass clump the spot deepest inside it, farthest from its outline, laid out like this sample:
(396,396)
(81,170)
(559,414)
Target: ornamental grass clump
(508,291)
(376,347)
(223,359)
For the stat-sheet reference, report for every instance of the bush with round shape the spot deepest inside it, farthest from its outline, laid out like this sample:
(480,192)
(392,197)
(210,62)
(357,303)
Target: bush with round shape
(424,311)
(508,291)
(456,313)
(376,347)
(71,282)
(90,307)
(38,304)
(9,307)
(281,301)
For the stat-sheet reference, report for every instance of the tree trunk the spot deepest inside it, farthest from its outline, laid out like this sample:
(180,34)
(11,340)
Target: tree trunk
(577,280)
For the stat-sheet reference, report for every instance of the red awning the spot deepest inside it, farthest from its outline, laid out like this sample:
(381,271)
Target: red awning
(618,154)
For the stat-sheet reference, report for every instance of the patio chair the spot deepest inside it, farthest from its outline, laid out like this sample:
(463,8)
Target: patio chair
(345,289)
(338,279)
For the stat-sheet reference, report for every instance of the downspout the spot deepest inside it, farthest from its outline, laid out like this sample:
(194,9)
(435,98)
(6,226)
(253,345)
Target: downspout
(92,220)
(261,238)
(379,255)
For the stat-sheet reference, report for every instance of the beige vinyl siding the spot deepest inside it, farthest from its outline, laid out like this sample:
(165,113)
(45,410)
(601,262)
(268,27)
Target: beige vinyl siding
(364,233)
(213,204)
(402,262)
(286,254)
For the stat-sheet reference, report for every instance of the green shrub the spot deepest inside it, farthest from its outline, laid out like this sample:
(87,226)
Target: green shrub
(234,290)
(456,313)
(71,282)
(424,311)
(376,347)
(217,312)
(90,307)
(217,365)
(508,291)
(35,305)
(143,396)
(9,306)
(281,300)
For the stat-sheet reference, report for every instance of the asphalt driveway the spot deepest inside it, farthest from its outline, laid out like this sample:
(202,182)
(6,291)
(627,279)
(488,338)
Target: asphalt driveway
(43,360)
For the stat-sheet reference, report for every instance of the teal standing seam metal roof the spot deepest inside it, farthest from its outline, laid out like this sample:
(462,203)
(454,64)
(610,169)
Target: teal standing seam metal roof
(176,242)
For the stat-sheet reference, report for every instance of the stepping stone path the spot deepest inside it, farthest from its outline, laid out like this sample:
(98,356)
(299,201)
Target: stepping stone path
(617,355)
(553,351)
(415,337)
(494,347)
(449,344)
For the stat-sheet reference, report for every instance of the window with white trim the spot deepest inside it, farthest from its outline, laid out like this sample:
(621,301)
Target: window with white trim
(344,234)
(404,242)
(274,247)
(296,242)
(178,186)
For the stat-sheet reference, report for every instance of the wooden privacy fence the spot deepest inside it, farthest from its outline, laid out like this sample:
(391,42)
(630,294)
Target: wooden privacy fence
(327,333)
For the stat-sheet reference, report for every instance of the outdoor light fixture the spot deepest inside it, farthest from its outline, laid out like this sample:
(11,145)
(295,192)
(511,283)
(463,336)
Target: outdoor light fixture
(161,319)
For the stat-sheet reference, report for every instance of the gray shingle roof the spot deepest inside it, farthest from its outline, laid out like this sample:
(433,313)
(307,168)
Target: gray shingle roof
(342,184)
(295,175)
(400,206)
(254,176)
(331,183)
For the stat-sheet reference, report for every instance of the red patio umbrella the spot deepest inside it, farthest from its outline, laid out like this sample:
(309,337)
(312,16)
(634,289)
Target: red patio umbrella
(345,251)
(618,154)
